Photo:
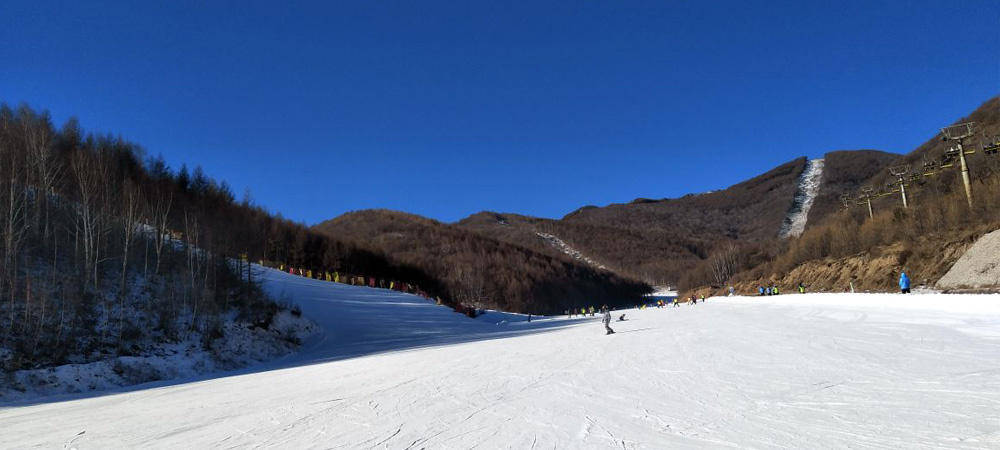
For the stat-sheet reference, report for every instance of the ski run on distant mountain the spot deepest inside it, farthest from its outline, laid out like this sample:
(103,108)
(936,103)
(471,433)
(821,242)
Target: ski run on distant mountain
(809,184)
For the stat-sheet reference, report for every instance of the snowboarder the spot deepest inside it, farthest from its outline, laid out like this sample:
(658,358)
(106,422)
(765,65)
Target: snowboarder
(591,311)
(904,283)
(622,318)
(607,322)
(802,288)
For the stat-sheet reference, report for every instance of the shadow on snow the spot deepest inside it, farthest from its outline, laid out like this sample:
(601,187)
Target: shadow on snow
(355,322)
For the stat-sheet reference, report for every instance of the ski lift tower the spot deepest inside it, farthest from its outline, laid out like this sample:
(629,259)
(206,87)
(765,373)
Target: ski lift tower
(900,172)
(845,200)
(959,133)
(866,197)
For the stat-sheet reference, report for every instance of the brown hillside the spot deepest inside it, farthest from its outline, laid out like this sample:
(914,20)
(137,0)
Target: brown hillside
(484,272)
(658,240)
(925,239)
(845,171)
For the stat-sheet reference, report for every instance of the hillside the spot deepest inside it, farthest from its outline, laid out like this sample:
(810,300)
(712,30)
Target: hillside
(483,272)
(659,240)
(925,239)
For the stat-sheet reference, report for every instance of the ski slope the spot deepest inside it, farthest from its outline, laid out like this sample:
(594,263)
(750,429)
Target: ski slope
(393,371)
(805,195)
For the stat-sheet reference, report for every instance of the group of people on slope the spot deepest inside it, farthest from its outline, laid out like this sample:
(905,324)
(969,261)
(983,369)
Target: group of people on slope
(584,312)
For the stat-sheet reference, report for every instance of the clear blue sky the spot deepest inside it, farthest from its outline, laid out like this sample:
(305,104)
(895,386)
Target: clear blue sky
(448,108)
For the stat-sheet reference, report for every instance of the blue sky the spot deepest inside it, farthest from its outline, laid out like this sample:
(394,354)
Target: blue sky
(448,108)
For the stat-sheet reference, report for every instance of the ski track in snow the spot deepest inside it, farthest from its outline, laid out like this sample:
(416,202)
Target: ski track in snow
(568,250)
(792,371)
(805,194)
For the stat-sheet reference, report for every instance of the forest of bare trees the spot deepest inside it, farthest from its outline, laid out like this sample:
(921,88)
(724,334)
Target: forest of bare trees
(105,249)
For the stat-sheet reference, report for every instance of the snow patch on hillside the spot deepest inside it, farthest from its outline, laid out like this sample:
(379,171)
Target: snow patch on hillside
(805,195)
(568,250)
(240,345)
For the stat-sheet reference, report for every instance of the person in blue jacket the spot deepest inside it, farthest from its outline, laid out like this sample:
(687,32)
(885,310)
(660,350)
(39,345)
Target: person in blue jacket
(904,283)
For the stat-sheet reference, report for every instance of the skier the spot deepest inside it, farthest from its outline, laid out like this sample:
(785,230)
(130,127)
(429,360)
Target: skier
(607,322)
(774,290)
(703,298)
(904,283)
(760,291)
(622,318)
(591,311)
(802,288)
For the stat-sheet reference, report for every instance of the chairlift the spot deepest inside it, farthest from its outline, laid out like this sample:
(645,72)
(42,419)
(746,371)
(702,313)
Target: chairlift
(930,168)
(948,158)
(990,146)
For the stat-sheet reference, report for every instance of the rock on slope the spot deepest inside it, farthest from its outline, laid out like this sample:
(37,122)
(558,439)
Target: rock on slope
(978,268)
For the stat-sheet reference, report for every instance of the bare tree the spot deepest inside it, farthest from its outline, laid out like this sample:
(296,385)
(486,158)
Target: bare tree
(91,175)
(159,213)
(43,168)
(724,264)
(131,221)
(14,224)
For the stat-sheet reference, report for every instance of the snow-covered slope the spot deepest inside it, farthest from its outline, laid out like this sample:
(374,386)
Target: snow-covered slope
(795,371)
(809,184)
(554,241)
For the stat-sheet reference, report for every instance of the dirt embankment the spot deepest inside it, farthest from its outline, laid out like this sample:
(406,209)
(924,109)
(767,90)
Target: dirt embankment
(925,261)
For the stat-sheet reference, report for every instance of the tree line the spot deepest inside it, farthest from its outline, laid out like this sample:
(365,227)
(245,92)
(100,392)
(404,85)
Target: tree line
(105,248)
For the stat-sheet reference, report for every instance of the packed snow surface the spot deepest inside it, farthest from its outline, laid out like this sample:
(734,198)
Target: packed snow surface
(805,195)
(395,371)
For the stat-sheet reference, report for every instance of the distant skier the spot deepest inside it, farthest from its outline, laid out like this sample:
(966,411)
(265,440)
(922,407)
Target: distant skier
(760,291)
(591,311)
(607,322)
(904,283)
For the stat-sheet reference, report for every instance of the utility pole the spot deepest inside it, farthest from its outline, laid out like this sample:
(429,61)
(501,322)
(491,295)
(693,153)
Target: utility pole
(899,172)
(959,133)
